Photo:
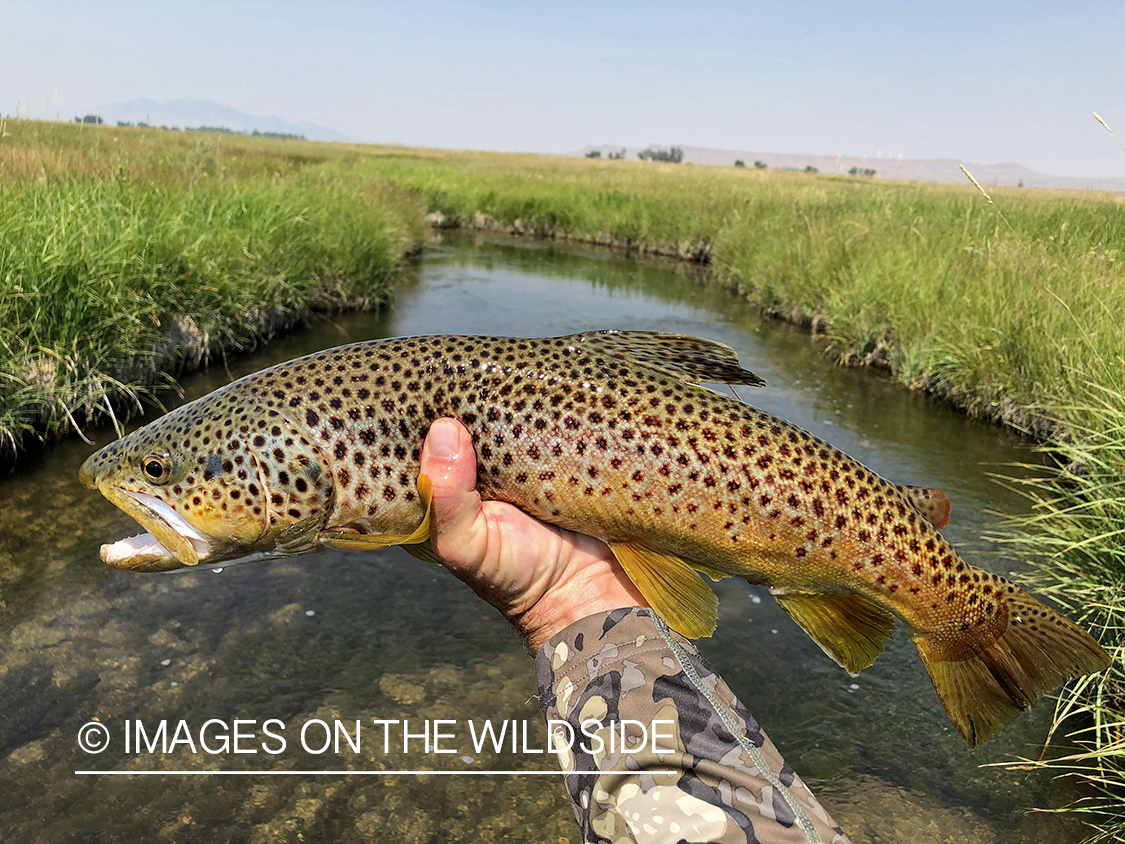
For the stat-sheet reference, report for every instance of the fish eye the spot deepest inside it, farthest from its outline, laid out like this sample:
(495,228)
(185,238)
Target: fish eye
(156,468)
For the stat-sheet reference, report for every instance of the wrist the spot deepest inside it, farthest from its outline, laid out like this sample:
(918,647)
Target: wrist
(539,625)
(597,585)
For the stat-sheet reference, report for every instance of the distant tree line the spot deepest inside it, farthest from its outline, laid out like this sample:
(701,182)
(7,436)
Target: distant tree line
(674,155)
(761,165)
(612,156)
(226,130)
(220,130)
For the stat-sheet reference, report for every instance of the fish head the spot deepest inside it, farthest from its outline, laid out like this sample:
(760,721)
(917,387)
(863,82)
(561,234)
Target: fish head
(219,480)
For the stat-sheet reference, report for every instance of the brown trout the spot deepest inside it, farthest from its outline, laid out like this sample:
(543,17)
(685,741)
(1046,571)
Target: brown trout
(609,434)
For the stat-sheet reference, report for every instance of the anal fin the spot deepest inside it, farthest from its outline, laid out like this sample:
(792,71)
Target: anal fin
(351,541)
(671,587)
(849,628)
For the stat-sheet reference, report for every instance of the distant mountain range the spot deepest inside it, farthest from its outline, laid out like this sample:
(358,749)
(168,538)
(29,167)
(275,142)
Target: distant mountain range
(906,169)
(184,113)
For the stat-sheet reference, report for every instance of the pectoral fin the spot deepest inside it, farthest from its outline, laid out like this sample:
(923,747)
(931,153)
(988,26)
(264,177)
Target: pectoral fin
(849,628)
(671,587)
(423,552)
(348,541)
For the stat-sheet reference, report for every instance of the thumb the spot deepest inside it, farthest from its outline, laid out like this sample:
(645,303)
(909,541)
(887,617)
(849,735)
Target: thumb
(458,528)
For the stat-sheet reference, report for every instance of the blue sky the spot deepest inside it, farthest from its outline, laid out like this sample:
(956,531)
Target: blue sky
(983,81)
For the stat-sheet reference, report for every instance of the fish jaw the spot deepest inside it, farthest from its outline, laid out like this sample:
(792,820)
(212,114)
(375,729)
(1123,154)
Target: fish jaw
(171,543)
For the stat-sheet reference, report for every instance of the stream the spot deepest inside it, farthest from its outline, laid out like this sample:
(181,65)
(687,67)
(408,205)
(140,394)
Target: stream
(330,637)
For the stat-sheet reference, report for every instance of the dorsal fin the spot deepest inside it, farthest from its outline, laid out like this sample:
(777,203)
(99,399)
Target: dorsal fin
(688,359)
(933,504)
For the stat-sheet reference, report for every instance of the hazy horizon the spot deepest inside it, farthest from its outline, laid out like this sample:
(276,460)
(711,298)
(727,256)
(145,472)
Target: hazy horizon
(1000,83)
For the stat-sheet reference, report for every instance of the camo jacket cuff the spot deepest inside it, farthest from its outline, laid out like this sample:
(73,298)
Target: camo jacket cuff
(609,682)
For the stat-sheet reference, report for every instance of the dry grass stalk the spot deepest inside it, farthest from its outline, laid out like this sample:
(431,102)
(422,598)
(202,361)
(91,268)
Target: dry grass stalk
(1098,118)
(984,193)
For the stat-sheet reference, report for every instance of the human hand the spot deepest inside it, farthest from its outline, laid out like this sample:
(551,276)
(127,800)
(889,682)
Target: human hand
(541,578)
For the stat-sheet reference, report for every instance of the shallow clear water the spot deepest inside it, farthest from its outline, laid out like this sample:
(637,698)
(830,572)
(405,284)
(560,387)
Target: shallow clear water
(382,636)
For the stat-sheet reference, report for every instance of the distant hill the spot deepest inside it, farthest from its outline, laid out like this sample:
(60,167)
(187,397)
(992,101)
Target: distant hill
(907,169)
(183,113)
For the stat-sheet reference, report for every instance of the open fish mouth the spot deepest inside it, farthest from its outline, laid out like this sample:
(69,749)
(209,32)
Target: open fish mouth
(171,542)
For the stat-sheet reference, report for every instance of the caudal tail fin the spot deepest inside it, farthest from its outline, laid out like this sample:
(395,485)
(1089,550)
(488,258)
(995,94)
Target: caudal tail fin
(984,688)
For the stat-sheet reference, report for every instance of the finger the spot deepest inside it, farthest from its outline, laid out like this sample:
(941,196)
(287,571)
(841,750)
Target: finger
(459,532)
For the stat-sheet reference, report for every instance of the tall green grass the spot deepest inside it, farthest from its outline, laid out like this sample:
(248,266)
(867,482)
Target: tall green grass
(1076,539)
(110,279)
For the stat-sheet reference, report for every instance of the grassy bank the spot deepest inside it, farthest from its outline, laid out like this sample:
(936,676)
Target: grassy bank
(126,255)
(1076,538)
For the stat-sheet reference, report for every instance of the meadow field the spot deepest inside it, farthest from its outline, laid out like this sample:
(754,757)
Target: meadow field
(127,254)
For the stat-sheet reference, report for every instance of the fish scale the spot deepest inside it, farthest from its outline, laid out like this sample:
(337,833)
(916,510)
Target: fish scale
(608,434)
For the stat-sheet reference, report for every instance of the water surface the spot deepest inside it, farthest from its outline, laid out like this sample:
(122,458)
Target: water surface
(382,636)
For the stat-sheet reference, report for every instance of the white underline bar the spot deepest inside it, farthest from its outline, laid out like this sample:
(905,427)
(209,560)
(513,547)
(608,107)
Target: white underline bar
(343,773)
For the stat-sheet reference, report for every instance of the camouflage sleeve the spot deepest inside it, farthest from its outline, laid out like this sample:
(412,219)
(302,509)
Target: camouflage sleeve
(607,685)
